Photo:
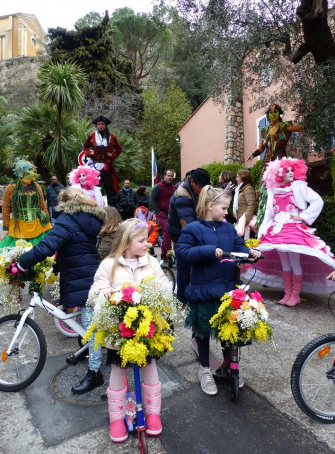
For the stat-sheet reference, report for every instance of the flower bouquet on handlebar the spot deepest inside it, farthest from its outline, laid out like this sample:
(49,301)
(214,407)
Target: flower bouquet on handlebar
(13,279)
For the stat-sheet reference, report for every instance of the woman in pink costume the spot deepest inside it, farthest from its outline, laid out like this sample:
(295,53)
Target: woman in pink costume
(294,255)
(87,179)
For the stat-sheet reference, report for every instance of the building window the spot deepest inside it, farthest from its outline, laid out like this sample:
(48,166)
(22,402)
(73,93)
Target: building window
(33,42)
(261,123)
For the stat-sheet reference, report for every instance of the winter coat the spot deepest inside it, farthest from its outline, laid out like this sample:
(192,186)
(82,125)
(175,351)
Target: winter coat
(127,200)
(105,244)
(74,238)
(309,202)
(160,197)
(182,208)
(246,202)
(210,279)
(152,232)
(143,200)
(52,194)
(147,266)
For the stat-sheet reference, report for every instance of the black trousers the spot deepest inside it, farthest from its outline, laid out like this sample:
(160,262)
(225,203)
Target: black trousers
(107,180)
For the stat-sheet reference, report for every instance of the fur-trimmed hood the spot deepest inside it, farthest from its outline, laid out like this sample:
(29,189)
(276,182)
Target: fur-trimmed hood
(72,206)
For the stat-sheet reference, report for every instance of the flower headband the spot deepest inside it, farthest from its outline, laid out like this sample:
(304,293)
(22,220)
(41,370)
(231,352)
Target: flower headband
(142,224)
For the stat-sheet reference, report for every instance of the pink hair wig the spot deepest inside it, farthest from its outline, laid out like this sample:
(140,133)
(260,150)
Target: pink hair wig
(92,176)
(275,171)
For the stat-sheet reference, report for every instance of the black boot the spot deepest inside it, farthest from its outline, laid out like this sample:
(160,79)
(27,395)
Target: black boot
(91,381)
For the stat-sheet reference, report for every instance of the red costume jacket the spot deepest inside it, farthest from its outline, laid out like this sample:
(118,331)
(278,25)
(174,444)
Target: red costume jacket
(107,156)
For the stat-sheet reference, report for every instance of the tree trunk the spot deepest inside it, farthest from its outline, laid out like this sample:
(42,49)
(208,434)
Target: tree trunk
(60,151)
(317,34)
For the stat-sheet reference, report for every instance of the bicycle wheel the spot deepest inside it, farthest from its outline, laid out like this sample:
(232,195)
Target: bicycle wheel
(234,385)
(64,328)
(25,363)
(313,379)
(170,275)
(142,436)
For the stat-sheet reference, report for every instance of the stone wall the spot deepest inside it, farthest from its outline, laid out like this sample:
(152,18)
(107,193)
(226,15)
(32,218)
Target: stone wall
(18,77)
(234,146)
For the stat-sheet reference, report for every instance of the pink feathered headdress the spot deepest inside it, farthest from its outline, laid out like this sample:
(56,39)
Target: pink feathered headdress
(275,171)
(92,176)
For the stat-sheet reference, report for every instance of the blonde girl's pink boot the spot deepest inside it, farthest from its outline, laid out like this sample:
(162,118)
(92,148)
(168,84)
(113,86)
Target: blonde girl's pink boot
(117,411)
(295,293)
(287,279)
(152,399)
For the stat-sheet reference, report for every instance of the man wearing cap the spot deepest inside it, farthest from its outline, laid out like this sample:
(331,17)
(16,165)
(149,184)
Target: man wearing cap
(182,208)
(103,148)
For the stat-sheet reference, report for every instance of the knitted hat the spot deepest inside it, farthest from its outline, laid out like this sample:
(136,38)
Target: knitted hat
(200,177)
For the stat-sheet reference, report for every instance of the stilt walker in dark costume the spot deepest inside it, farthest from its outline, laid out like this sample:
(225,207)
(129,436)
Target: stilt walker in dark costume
(275,137)
(103,148)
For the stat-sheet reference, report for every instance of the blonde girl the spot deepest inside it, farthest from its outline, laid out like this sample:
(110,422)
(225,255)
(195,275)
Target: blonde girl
(128,261)
(202,244)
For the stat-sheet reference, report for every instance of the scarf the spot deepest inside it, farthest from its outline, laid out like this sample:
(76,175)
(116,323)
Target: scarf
(235,204)
(100,140)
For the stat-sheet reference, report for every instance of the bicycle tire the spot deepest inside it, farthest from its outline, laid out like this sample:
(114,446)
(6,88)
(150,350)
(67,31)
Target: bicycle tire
(143,442)
(37,340)
(314,363)
(64,329)
(234,385)
(170,275)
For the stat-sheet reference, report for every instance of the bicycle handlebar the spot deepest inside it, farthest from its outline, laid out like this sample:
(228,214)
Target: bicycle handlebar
(241,257)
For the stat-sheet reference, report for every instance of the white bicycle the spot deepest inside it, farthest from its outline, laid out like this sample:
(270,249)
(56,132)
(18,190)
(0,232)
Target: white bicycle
(23,347)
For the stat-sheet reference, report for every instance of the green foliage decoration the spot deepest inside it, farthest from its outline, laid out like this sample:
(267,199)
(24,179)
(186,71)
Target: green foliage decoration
(216,168)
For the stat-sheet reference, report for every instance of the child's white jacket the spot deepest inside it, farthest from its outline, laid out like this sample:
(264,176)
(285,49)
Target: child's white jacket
(307,200)
(147,266)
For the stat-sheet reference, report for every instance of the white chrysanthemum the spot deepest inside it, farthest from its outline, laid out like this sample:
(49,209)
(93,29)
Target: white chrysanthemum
(254,303)
(247,319)
(264,315)
(117,297)
(136,298)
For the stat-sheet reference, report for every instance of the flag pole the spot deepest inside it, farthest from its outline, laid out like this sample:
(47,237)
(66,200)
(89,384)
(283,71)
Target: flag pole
(152,167)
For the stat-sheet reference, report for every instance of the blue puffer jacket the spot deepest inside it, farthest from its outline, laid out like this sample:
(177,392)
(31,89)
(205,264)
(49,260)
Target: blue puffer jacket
(182,209)
(210,279)
(74,238)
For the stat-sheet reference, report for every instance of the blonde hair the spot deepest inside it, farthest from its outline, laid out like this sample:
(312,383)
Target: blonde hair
(71,193)
(122,238)
(207,195)
(113,221)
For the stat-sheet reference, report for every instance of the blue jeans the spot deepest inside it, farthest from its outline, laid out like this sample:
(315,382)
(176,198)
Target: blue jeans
(183,278)
(94,356)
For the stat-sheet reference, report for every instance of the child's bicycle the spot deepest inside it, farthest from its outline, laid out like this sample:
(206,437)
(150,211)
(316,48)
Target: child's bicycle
(23,346)
(229,368)
(313,378)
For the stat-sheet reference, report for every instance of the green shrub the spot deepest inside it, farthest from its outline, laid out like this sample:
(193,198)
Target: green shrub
(256,172)
(325,223)
(215,168)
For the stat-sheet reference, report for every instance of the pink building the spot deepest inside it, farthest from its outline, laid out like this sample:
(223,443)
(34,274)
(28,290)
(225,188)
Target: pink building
(203,137)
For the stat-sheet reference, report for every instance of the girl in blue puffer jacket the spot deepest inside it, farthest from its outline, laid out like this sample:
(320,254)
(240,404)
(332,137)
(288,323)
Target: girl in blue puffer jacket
(202,244)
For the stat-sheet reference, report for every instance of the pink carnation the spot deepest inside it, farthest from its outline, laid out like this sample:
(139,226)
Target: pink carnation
(152,330)
(128,294)
(126,332)
(238,294)
(256,296)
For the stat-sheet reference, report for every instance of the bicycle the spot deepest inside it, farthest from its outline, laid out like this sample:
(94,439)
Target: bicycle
(166,270)
(62,326)
(23,346)
(229,368)
(313,378)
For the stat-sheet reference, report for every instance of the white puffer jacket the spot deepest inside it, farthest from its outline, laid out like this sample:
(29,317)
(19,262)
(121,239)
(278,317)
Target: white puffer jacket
(147,266)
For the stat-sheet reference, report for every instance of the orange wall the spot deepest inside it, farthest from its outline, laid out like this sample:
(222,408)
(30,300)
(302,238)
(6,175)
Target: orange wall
(203,137)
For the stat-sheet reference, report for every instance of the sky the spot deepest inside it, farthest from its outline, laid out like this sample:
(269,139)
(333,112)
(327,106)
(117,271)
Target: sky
(64,13)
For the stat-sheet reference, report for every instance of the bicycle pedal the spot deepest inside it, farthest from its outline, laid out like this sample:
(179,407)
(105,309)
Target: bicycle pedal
(71,360)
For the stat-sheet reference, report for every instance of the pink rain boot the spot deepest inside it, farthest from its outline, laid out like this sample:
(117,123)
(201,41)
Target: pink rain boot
(117,412)
(287,279)
(152,404)
(295,292)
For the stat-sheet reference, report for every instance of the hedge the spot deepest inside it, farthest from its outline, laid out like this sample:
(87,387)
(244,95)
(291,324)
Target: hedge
(215,168)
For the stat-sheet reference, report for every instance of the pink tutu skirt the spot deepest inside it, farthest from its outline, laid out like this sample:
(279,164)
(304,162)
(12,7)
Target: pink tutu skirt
(317,261)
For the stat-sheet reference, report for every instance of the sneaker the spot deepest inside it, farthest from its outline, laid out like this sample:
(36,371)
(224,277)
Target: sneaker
(240,381)
(207,382)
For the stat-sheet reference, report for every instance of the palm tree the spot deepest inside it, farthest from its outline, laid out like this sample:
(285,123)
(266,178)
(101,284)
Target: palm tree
(129,163)
(60,87)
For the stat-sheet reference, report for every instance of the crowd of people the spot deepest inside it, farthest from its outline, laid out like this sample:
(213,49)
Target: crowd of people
(98,247)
